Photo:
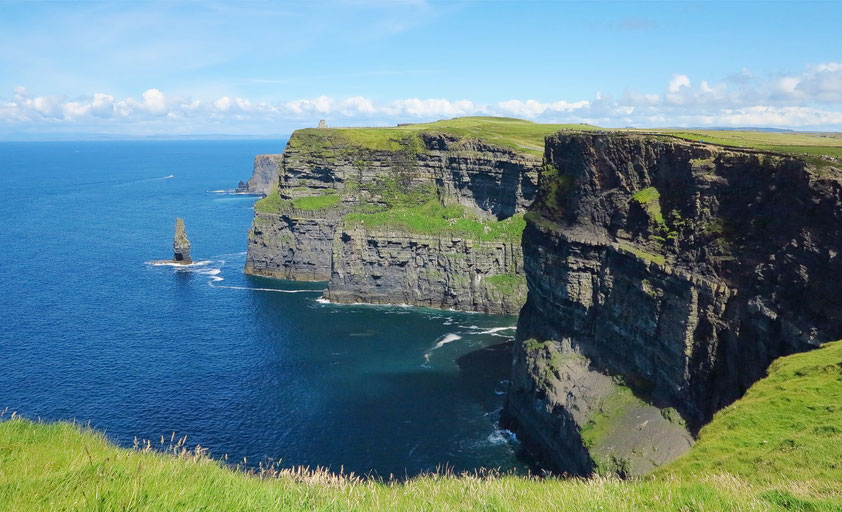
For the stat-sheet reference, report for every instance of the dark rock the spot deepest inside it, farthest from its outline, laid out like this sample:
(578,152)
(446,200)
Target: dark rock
(381,265)
(680,270)
(180,244)
(264,177)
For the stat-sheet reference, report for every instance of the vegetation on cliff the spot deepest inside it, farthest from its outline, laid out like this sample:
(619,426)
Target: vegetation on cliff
(272,203)
(432,218)
(517,134)
(778,448)
(796,143)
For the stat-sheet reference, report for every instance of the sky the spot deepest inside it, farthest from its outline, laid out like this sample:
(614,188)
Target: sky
(145,68)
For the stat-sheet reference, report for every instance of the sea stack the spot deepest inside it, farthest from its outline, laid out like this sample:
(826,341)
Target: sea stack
(180,244)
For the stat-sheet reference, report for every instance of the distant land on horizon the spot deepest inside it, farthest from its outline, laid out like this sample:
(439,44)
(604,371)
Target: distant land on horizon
(58,137)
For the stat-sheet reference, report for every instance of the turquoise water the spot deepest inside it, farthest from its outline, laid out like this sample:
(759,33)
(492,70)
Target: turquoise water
(90,331)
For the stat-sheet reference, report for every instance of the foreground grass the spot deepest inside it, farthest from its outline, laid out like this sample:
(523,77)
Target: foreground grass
(787,428)
(779,448)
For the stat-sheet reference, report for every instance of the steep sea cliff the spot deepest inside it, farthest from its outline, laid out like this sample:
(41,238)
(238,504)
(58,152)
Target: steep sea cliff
(664,276)
(423,217)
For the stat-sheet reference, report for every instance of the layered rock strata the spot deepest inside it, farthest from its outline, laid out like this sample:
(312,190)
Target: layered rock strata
(180,244)
(664,276)
(264,177)
(315,228)
(437,271)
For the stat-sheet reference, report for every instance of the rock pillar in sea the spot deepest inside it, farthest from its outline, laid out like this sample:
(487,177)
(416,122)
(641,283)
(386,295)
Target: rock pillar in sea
(180,244)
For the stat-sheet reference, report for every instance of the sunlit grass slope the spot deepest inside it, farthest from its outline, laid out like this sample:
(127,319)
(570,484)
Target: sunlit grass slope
(778,448)
(796,143)
(528,137)
(518,134)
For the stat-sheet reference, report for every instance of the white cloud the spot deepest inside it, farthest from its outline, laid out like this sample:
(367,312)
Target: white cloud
(154,101)
(677,82)
(809,99)
(102,105)
(223,104)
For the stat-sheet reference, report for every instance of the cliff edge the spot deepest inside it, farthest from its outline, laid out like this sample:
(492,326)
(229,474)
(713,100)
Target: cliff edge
(664,276)
(428,214)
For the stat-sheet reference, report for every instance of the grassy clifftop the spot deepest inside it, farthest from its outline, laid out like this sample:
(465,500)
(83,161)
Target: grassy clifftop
(796,143)
(517,134)
(778,448)
(528,137)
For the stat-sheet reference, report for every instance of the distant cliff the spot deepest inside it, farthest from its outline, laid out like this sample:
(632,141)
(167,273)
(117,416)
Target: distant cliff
(264,177)
(428,215)
(664,276)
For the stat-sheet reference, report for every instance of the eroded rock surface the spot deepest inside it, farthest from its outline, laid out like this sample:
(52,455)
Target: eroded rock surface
(180,244)
(304,232)
(670,273)
(264,177)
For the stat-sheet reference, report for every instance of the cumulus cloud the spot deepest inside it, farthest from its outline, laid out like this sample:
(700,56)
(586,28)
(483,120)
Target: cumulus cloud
(677,82)
(811,98)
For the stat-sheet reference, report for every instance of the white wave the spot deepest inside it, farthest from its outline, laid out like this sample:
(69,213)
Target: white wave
(495,330)
(501,436)
(170,263)
(231,254)
(233,192)
(147,179)
(447,338)
(213,274)
(387,307)
(444,340)
(264,289)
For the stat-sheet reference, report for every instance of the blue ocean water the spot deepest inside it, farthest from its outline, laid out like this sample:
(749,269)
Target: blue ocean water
(90,331)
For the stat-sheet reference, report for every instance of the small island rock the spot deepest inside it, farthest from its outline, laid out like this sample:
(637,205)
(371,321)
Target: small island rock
(180,244)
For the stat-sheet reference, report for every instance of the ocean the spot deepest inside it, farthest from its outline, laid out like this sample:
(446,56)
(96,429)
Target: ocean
(256,369)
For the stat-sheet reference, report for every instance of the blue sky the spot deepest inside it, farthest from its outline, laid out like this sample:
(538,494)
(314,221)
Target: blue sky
(266,68)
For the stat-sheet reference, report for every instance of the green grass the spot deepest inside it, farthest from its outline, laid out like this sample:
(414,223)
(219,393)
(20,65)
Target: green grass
(507,284)
(432,218)
(778,448)
(272,203)
(649,198)
(796,143)
(528,137)
(647,195)
(517,134)
(660,259)
(787,427)
(316,202)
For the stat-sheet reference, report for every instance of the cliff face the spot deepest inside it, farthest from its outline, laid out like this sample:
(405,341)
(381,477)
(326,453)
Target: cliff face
(413,220)
(437,271)
(679,269)
(264,177)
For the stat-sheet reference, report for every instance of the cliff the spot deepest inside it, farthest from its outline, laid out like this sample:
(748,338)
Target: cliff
(264,177)
(664,276)
(428,215)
